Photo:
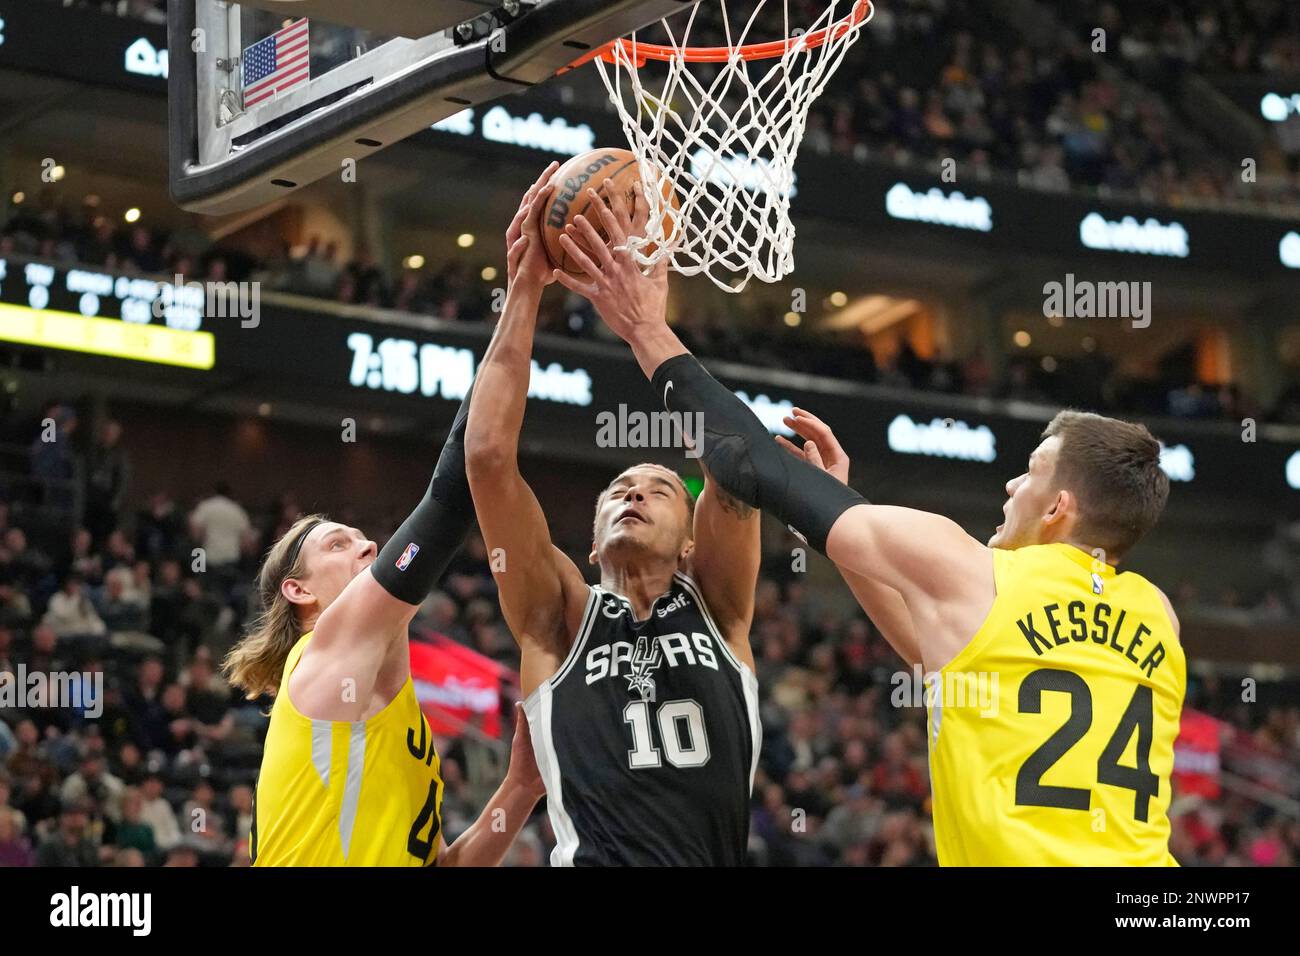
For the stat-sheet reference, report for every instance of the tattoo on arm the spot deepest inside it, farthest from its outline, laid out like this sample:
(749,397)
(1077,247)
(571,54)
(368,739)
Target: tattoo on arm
(733,505)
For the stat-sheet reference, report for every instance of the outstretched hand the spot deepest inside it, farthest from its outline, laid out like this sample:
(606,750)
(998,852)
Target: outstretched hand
(523,762)
(526,261)
(628,301)
(821,448)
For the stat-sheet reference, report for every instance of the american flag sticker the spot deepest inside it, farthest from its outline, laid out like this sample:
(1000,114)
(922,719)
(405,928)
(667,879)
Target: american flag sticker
(277,63)
(408,556)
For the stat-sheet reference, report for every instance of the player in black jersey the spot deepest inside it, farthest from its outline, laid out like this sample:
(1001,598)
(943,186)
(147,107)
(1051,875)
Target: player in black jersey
(641,693)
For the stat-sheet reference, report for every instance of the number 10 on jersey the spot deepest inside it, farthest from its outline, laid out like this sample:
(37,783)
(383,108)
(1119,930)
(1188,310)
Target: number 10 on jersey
(683,736)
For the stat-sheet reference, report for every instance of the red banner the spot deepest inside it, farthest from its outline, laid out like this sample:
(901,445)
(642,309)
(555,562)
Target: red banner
(456,686)
(1196,754)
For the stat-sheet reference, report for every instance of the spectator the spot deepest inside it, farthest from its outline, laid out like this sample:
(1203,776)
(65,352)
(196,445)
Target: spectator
(198,615)
(158,814)
(167,602)
(15,607)
(141,252)
(22,565)
(44,652)
(222,528)
(71,613)
(147,721)
(130,766)
(129,856)
(139,588)
(15,848)
(855,821)
(367,281)
(69,844)
(207,825)
(108,475)
(118,551)
(241,808)
(121,607)
(54,460)
(182,856)
(134,832)
(94,781)
(159,528)
(182,729)
(208,699)
(84,560)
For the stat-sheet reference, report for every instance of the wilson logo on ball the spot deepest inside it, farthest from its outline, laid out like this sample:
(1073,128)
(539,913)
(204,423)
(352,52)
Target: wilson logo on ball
(572,186)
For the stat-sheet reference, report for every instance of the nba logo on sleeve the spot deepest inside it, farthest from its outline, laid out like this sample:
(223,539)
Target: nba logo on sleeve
(408,556)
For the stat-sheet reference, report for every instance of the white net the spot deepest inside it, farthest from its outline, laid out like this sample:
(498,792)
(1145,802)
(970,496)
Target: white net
(717,140)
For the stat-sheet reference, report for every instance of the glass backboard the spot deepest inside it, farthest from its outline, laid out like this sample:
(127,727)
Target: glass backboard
(268,95)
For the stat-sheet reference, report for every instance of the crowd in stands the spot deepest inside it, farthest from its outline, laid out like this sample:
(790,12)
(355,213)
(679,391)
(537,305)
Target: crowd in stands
(948,79)
(1217,36)
(932,80)
(455,291)
(162,770)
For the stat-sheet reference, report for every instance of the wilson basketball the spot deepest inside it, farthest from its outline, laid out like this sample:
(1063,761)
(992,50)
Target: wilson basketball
(591,170)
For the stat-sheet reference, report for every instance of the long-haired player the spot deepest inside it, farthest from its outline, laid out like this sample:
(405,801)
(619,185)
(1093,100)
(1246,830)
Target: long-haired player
(350,775)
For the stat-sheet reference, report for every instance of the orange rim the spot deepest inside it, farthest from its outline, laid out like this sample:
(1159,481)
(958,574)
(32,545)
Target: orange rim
(640,53)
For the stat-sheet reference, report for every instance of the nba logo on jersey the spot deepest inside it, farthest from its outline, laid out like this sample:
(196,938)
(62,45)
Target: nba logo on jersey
(408,556)
(1097,586)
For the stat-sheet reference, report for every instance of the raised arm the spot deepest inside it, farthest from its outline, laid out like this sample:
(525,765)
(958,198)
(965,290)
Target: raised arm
(727,554)
(541,591)
(355,634)
(884,605)
(736,449)
(725,562)
(926,558)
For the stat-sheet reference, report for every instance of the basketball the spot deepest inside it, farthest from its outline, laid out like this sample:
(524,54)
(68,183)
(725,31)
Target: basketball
(591,170)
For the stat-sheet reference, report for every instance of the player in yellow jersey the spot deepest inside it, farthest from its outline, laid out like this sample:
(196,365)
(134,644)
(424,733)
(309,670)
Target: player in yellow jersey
(350,775)
(1052,728)
(1057,682)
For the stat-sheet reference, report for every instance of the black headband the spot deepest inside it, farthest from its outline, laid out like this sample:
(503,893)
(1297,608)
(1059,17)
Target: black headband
(297,545)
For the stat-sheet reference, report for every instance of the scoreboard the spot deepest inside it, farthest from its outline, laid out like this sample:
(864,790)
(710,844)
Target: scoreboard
(98,313)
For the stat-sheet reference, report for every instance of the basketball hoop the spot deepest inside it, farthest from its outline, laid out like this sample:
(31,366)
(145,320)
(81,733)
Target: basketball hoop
(726,143)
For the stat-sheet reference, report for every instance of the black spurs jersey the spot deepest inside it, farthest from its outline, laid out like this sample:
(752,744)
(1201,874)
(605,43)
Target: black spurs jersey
(647,737)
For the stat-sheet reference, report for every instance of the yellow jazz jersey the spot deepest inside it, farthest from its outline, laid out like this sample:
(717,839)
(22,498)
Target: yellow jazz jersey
(1052,732)
(335,793)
